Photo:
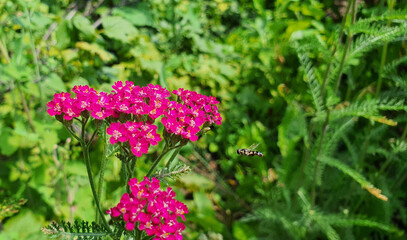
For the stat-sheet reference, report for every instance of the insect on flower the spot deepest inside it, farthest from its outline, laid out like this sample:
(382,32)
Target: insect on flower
(249,151)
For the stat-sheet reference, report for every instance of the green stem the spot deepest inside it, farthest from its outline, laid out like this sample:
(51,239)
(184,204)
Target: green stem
(125,173)
(333,52)
(321,142)
(133,167)
(92,183)
(384,56)
(307,148)
(379,85)
(174,154)
(85,150)
(34,53)
(101,175)
(138,235)
(93,136)
(404,134)
(347,45)
(157,160)
(73,133)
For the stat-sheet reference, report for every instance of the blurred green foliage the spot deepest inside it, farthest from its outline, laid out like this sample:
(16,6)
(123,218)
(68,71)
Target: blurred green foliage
(320,85)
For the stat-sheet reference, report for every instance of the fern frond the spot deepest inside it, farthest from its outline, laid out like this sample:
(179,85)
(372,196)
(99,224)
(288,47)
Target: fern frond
(314,45)
(327,229)
(172,172)
(334,136)
(78,230)
(368,109)
(399,146)
(380,36)
(394,16)
(329,146)
(344,221)
(351,148)
(268,215)
(399,80)
(313,84)
(349,222)
(359,178)
(392,66)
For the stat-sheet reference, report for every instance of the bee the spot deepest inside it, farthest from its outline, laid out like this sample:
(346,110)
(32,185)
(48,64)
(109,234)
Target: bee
(249,151)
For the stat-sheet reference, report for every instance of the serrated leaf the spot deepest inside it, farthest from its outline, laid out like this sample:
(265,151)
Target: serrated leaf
(355,175)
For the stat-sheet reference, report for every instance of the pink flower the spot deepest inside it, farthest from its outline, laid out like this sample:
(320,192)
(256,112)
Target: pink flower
(139,135)
(117,132)
(57,105)
(138,147)
(159,219)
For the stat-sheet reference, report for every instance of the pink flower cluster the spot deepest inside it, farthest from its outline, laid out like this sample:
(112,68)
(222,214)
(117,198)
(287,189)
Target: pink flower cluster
(139,135)
(151,100)
(151,209)
(185,117)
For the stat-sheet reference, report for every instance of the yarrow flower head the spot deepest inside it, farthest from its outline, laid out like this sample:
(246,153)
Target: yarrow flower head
(139,106)
(151,209)
(139,135)
(190,113)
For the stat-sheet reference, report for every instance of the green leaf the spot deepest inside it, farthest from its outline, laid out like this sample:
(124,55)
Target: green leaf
(259,5)
(53,83)
(242,231)
(8,141)
(205,212)
(291,129)
(96,49)
(138,16)
(163,78)
(77,230)
(84,26)
(39,20)
(63,35)
(195,182)
(50,140)
(28,221)
(76,168)
(119,29)
(355,175)
(18,72)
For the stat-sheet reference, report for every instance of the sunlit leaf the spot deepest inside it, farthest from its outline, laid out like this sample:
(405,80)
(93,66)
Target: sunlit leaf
(119,29)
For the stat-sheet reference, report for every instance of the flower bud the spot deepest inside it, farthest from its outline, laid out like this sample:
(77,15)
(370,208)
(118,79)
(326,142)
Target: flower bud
(67,123)
(85,114)
(60,118)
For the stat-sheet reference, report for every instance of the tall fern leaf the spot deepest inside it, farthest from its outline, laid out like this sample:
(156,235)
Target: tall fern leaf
(313,84)
(354,175)
(367,42)
(368,109)
(77,230)
(394,16)
(392,66)
(349,221)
